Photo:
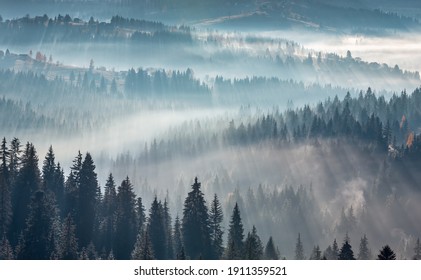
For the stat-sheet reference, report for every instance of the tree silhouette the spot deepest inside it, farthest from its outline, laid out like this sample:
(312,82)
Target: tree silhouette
(299,250)
(270,250)
(386,253)
(235,247)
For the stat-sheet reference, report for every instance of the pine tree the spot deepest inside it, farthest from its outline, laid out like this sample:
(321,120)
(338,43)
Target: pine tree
(87,201)
(346,252)
(157,230)
(195,224)
(178,242)
(168,231)
(143,247)
(417,250)
(235,247)
(40,229)
(140,213)
(51,177)
(335,250)
(5,193)
(316,254)
(386,253)
(299,250)
(270,250)
(109,212)
(6,251)
(253,248)
(215,220)
(71,191)
(68,241)
(27,183)
(125,235)
(14,160)
(364,253)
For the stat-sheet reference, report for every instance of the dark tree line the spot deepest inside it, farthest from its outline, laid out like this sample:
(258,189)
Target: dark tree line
(44,215)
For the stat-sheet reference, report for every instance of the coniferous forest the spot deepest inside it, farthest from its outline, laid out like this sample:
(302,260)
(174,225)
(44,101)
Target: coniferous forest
(223,130)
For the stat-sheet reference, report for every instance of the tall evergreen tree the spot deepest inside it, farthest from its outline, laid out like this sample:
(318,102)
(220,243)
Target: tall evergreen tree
(253,248)
(346,252)
(316,254)
(143,246)
(299,250)
(235,246)
(364,253)
(14,160)
(109,212)
(270,250)
(157,230)
(87,202)
(5,192)
(168,230)
(178,242)
(51,177)
(386,253)
(140,213)
(215,221)
(126,230)
(71,191)
(6,250)
(417,250)
(27,183)
(68,241)
(195,224)
(41,229)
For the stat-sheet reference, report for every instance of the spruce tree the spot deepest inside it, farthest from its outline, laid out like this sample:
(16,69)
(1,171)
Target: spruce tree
(178,242)
(417,250)
(253,248)
(235,245)
(27,183)
(346,252)
(41,229)
(71,191)
(386,253)
(51,177)
(109,214)
(299,250)
(316,254)
(5,193)
(68,241)
(157,230)
(270,250)
(6,250)
(195,224)
(140,213)
(125,235)
(364,253)
(143,247)
(168,231)
(215,220)
(87,202)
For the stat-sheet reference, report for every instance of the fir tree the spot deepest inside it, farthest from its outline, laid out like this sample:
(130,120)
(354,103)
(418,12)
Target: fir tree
(125,235)
(299,250)
(6,251)
(215,220)
(386,253)
(51,177)
(109,212)
(178,242)
(316,254)
(40,229)
(346,252)
(270,250)
(157,230)
(27,183)
(168,230)
(5,194)
(253,248)
(140,213)
(68,241)
(87,202)
(417,250)
(143,247)
(195,224)
(235,247)
(364,253)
